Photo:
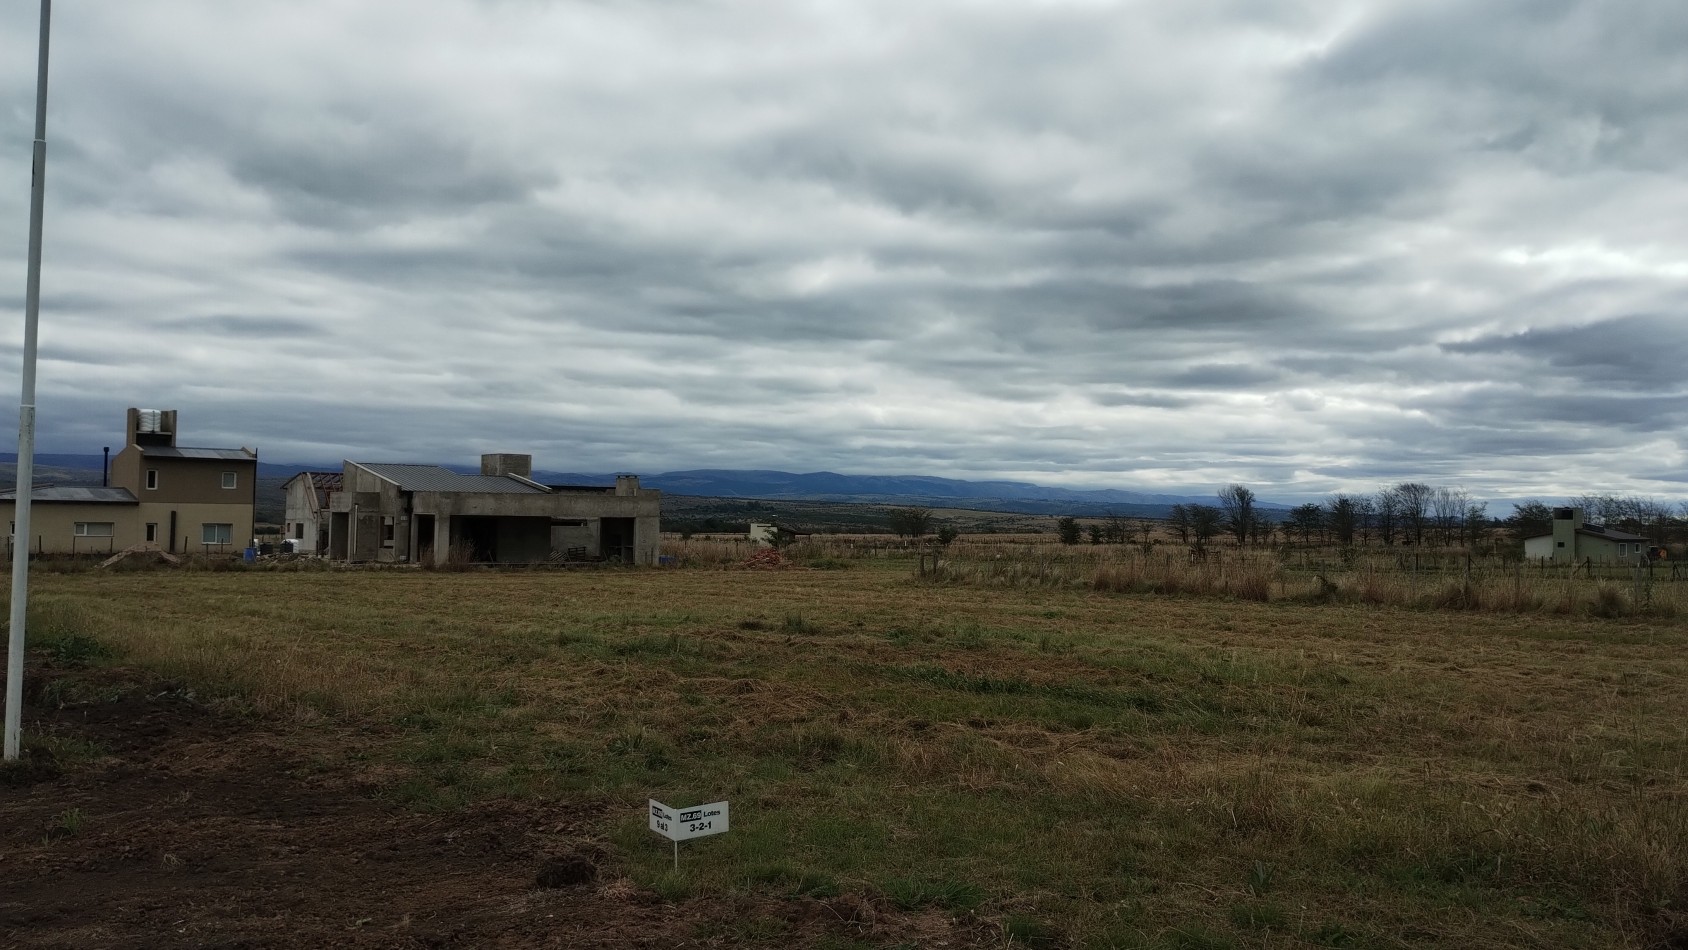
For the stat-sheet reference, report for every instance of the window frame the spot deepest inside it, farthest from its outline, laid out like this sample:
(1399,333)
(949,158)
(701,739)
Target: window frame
(231,481)
(206,532)
(80,529)
(152,479)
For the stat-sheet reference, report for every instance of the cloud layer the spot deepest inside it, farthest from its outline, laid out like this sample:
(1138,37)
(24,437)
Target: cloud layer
(1309,246)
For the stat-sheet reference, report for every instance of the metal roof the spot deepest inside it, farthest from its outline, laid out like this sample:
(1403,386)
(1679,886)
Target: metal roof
(1598,531)
(75,493)
(184,452)
(321,481)
(436,478)
(1601,531)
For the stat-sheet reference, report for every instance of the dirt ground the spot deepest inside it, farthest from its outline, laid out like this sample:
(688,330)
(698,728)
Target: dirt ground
(198,828)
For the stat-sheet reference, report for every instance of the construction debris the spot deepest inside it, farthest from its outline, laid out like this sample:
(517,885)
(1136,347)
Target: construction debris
(767,559)
(141,549)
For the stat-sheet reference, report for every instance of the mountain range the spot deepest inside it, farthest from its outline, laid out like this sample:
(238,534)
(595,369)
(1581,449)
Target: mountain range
(991,495)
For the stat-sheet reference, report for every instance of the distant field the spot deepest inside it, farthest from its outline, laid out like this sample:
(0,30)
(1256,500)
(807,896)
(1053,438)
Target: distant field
(1078,767)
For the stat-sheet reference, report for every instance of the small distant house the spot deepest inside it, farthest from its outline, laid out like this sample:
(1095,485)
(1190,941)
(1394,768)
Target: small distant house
(419,514)
(308,498)
(774,535)
(160,494)
(1575,541)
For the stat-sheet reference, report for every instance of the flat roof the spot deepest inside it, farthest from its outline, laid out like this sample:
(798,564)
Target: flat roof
(75,494)
(1598,531)
(187,452)
(440,479)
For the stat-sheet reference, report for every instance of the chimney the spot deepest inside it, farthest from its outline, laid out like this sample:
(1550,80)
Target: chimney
(507,463)
(627,484)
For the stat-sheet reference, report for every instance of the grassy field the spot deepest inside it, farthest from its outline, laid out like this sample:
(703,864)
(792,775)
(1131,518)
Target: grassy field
(1082,767)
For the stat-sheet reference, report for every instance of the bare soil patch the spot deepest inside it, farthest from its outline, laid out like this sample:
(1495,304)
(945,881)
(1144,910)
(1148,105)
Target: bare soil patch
(172,823)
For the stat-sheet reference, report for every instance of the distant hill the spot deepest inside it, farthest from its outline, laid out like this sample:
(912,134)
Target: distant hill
(1020,497)
(1008,496)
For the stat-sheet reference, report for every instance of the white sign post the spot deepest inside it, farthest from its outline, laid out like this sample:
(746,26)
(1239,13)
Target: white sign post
(682,824)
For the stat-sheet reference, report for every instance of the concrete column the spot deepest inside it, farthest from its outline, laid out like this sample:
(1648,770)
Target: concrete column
(442,537)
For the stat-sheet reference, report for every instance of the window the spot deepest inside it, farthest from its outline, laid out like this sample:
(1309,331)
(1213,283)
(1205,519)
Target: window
(229,480)
(1559,544)
(386,531)
(152,478)
(298,530)
(216,533)
(93,529)
(152,531)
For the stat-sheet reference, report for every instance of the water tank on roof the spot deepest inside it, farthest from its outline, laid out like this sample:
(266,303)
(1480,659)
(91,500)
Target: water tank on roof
(149,420)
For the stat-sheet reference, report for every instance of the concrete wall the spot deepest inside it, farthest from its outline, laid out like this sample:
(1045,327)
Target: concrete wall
(1566,521)
(302,510)
(585,536)
(647,542)
(52,526)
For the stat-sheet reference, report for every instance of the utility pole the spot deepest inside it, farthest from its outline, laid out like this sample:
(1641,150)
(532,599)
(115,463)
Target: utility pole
(26,407)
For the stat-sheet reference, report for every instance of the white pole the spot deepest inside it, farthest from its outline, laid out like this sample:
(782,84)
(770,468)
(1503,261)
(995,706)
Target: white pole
(26,407)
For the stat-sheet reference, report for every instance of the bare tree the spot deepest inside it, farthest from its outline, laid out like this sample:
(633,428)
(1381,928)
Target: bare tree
(1414,501)
(1342,518)
(1530,519)
(1306,520)
(1365,517)
(1448,508)
(1476,522)
(1237,502)
(1145,529)
(1204,524)
(1388,515)
(1115,529)
(1180,520)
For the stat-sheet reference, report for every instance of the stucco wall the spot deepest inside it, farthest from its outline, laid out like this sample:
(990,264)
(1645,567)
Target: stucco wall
(52,526)
(190,522)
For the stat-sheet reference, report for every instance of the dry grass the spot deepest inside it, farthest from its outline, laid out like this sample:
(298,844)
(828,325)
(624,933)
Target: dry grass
(1129,768)
(1438,580)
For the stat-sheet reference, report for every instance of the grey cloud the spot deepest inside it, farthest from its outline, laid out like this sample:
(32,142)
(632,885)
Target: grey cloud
(1101,243)
(251,326)
(1634,354)
(1223,376)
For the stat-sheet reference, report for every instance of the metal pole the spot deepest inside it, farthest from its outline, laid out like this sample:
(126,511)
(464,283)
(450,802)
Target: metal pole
(26,407)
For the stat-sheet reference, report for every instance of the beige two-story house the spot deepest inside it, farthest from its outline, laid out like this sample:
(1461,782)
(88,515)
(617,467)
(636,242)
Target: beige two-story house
(189,499)
(159,494)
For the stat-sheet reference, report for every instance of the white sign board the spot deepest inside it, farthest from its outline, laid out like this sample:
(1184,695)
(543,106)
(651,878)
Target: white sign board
(681,824)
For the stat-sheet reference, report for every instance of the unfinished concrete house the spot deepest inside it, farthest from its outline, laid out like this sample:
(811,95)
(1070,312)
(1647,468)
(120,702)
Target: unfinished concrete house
(308,497)
(420,514)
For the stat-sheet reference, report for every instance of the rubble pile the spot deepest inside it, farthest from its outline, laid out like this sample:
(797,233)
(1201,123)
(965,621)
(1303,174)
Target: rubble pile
(767,559)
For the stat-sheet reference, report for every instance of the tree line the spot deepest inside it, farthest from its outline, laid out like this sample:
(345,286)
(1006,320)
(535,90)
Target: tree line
(1408,513)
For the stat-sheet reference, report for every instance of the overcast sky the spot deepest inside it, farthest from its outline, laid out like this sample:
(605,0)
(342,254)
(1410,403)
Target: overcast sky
(1308,246)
